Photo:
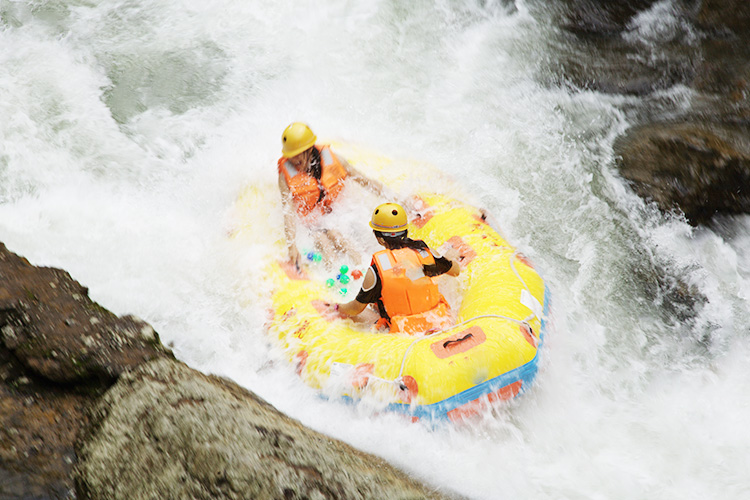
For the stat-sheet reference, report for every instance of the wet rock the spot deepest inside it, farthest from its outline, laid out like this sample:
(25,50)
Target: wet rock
(724,16)
(690,158)
(599,47)
(725,66)
(52,327)
(598,18)
(626,69)
(39,428)
(167,431)
(644,46)
(697,169)
(58,352)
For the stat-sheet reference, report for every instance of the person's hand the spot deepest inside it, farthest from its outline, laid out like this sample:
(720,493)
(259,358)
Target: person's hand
(448,251)
(332,311)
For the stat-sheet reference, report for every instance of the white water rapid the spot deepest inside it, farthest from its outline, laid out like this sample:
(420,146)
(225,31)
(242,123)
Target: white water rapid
(129,127)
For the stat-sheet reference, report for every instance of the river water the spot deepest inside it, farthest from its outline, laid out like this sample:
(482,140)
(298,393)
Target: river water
(130,127)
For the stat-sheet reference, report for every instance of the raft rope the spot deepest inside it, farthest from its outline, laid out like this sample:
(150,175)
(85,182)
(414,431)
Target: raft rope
(523,322)
(398,381)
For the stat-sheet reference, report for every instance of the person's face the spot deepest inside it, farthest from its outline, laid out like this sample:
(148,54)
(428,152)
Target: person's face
(301,160)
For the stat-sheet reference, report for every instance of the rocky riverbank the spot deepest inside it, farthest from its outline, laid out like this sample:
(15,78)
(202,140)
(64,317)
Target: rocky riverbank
(95,407)
(690,156)
(59,352)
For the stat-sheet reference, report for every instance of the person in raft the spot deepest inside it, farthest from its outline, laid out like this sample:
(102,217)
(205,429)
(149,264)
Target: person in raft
(311,177)
(399,280)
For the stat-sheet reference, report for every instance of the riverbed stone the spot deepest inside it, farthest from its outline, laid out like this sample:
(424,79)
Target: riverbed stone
(691,168)
(597,18)
(725,66)
(59,351)
(165,431)
(690,156)
(54,329)
(40,424)
(596,47)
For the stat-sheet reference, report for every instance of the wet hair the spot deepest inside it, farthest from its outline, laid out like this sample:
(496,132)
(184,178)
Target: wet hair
(316,169)
(394,241)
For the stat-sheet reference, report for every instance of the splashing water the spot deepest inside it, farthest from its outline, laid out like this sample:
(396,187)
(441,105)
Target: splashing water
(131,127)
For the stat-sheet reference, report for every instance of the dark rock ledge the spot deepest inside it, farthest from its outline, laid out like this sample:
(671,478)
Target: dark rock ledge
(694,168)
(59,351)
(692,159)
(93,406)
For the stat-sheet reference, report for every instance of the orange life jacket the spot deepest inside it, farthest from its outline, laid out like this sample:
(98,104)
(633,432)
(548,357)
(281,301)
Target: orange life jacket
(305,189)
(411,299)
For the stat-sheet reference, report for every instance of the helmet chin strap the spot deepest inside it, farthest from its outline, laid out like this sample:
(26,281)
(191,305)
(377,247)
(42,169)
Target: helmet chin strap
(398,235)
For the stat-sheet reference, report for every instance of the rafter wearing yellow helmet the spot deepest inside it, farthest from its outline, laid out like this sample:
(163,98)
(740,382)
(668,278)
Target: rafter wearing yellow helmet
(311,177)
(399,281)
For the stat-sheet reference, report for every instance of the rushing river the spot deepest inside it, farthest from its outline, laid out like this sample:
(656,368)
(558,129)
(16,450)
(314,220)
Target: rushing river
(128,129)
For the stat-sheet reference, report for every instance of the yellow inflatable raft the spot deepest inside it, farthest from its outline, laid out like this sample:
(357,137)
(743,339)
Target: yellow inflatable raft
(490,354)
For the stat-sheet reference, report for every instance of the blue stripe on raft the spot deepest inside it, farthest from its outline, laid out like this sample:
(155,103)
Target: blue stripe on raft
(439,411)
(525,373)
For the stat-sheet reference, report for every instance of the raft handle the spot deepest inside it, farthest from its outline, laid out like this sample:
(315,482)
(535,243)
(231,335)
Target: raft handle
(457,341)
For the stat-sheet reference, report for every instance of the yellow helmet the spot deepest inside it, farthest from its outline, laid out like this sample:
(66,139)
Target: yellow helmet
(389,218)
(296,138)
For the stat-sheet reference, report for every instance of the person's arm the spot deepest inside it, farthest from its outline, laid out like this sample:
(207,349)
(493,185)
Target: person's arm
(452,256)
(354,307)
(455,269)
(351,308)
(290,227)
(443,264)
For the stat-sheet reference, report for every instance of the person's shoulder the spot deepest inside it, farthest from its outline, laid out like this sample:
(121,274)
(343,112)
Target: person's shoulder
(371,279)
